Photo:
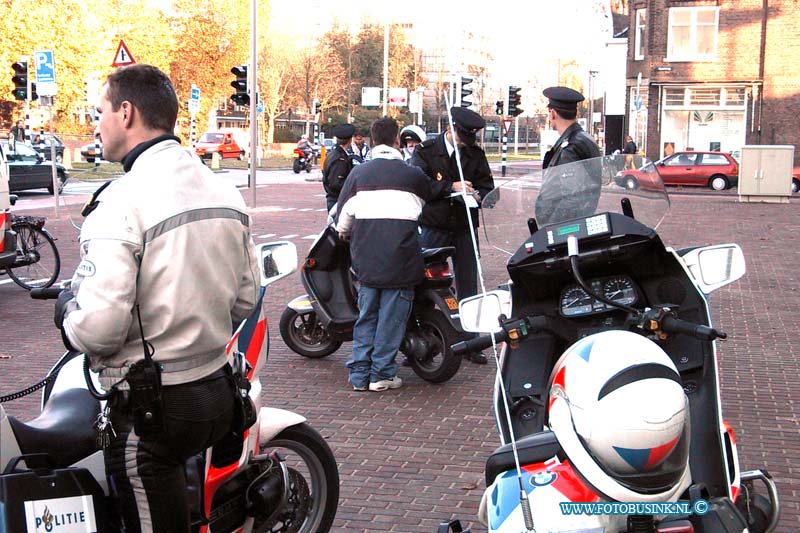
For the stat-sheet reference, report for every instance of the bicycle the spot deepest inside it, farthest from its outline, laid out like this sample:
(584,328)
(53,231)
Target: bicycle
(38,262)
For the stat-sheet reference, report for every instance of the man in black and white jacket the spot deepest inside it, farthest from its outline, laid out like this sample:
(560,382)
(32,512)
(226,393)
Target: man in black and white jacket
(379,207)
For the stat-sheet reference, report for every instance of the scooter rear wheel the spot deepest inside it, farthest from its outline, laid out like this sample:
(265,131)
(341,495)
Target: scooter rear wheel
(303,334)
(439,363)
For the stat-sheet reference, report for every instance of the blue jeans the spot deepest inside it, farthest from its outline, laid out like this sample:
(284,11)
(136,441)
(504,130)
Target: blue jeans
(378,332)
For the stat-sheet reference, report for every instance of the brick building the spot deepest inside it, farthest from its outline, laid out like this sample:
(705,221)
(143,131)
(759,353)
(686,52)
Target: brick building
(713,74)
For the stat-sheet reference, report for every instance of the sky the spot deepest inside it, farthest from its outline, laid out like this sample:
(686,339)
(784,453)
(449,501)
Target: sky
(518,31)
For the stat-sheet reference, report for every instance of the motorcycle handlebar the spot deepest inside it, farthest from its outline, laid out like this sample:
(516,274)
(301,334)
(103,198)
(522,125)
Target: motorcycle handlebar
(48,293)
(674,325)
(478,343)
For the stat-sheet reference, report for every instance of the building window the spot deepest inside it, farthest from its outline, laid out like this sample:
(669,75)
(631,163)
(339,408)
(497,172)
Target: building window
(705,97)
(641,25)
(674,96)
(692,33)
(734,96)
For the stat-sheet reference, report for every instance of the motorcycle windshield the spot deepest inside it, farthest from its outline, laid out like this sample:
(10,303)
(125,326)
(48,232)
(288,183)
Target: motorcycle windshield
(569,191)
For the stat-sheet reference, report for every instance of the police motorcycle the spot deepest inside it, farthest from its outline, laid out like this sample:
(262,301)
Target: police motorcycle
(607,395)
(277,475)
(316,324)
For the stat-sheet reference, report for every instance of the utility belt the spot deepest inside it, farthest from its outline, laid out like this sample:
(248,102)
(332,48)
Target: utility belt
(173,365)
(143,399)
(120,399)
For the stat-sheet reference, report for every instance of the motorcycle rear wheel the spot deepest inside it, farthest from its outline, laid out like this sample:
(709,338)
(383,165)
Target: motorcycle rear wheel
(296,165)
(304,335)
(439,364)
(314,493)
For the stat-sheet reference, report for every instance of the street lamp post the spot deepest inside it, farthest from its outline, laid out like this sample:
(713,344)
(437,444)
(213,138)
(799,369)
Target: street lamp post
(592,74)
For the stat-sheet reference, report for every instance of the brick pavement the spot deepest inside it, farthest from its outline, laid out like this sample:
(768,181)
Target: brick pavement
(413,457)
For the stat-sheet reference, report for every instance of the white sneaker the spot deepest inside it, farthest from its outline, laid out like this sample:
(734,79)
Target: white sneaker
(386,384)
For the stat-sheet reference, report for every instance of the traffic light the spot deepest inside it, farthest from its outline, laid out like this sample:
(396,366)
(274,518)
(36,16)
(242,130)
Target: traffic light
(514,100)
(20,80)
(240,84)
(465,91)
(34,94)
(315,107)
(499,108)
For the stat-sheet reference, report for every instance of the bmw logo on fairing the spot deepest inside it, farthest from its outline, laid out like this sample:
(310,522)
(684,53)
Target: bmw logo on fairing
(543,478)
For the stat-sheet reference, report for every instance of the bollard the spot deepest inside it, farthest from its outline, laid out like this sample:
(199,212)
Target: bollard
(215,161)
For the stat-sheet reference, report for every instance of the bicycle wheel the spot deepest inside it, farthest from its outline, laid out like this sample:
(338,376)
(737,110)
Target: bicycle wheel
(38,262)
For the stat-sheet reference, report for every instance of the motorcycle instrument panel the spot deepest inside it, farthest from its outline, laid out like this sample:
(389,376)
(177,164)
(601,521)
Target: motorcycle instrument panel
(577,302)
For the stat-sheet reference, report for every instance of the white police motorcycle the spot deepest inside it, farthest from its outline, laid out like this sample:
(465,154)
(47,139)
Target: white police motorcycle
(279,475)
(607,396)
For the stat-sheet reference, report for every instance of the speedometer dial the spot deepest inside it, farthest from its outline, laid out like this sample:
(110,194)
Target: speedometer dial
(575,301)
(619,289)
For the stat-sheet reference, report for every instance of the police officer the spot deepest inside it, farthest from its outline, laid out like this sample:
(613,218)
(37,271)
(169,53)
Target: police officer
(338,163)
(444,218)
(568,194)
(144,268)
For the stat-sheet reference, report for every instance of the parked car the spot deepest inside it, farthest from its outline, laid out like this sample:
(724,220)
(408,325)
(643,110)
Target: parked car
(795,180)
(8,242)
(716,170)
(44,147)
(90,151)
(221,142)
(28,170)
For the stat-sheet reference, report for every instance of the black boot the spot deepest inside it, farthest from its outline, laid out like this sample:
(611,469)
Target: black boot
(476,357)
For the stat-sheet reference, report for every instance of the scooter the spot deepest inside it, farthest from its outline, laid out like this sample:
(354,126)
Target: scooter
(317,323)
(278,475)
(302,161)
(607,399)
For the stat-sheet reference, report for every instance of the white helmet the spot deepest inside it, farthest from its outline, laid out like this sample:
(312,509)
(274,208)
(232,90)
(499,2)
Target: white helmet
(304,136)
(411,132)
(618,409)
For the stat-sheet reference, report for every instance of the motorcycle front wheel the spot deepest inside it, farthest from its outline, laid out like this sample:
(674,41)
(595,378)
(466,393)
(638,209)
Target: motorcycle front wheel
(438,364)
(304,334)
(313,485)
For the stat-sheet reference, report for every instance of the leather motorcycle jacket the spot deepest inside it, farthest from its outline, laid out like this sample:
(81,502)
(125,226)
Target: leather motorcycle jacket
(173,239)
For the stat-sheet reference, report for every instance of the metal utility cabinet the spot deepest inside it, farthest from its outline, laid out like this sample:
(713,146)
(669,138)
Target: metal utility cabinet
(765,173)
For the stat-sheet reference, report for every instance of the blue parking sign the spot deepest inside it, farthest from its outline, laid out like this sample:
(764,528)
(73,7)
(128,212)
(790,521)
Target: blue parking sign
(45,72)
(195,93)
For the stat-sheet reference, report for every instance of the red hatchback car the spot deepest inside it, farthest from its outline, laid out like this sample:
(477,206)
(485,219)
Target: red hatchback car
(716,170)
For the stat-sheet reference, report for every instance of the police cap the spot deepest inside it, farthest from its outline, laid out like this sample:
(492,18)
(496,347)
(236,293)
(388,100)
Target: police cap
(343,131)
(467,120)
(563,98)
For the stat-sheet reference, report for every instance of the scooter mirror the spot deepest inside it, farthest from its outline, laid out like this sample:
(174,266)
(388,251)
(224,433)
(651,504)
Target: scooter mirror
(278,260)
(480,314)
(715,266)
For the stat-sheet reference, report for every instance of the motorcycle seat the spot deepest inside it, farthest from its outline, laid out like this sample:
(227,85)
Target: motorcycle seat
(435,253)
(64,429)
(532,449)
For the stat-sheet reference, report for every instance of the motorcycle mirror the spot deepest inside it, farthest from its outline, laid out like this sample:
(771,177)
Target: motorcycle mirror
(278,260)
(713,267)
(480,314)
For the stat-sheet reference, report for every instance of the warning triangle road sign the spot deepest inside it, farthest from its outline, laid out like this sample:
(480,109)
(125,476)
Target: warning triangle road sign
(123,57)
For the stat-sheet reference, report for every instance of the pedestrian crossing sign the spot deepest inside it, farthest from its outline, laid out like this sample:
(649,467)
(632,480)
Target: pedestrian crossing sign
(123,57)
